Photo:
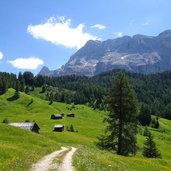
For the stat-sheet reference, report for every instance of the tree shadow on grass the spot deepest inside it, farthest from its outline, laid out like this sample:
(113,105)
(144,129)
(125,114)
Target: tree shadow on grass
(31,101)
(12,98)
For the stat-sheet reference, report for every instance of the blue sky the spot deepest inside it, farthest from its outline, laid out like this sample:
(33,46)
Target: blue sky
(34,33)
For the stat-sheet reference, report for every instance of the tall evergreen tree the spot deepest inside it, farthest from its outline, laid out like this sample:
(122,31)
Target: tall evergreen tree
(145,115)
(150,150)
(156,123)
(22,82)
(27,90)
(29,78)
(43,88)
(3,84)
(122,119)
(17,93)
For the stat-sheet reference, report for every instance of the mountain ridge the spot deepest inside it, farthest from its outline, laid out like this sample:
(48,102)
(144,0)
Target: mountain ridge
(139,53)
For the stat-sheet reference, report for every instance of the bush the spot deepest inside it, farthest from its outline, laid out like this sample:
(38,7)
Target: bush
(5,121)
(71,128)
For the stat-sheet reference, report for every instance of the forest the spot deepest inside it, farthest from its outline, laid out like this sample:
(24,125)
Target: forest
(153,91)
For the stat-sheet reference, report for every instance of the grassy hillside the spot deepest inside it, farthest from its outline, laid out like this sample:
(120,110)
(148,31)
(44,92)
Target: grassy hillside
(20,148)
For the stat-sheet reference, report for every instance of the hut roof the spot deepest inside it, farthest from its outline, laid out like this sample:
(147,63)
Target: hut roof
(58,126)
(57,115)
(24,125)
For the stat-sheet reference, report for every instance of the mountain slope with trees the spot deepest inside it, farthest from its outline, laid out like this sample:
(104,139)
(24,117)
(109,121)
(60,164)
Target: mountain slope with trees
(153,91)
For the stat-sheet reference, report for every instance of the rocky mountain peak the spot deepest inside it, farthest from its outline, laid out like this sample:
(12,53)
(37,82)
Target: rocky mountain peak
(139,53)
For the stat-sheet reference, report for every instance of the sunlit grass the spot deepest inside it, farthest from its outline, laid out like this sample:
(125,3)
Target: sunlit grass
(20,148)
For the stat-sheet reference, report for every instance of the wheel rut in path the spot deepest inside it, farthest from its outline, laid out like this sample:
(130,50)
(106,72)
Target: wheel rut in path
(47,163)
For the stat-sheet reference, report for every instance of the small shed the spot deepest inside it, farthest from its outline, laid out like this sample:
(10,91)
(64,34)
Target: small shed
(58,128)
(30,126)
(71,115)
(56,116)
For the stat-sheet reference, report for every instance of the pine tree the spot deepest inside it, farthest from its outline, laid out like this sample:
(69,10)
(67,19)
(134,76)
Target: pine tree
(22,82)
(17,93)
(71,128)
(43,88)
(149,149)
(32,87)
(3,84)
(50,98)
(122,119)
(27,90)
(144,116)
(22,85)
(146,131)
(156,124)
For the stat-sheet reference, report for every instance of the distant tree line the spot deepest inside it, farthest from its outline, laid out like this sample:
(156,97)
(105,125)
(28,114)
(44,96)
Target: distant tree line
(153,91)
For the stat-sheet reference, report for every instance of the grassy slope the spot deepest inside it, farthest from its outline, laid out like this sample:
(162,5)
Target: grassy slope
(20,148)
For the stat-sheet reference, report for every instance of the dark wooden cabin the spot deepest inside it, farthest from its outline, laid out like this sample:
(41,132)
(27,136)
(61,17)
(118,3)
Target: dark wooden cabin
(58,128)
(70,115)
(56,116)
(30,126)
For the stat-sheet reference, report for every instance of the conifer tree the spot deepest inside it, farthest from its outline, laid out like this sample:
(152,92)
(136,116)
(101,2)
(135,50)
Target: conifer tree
(17,93)
(22,85)
(43,88)
(155,123)
(144,116)
(122,120)
(146,131)
(71,128)
(149,149)
(3,84)
(27,90)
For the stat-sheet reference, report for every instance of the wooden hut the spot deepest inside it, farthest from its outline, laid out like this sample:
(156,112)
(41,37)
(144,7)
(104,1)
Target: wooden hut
(58,128)
(30,126)
(71,115)
(56,116)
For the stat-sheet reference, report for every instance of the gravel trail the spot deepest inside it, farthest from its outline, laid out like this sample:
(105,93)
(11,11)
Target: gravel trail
(47,162)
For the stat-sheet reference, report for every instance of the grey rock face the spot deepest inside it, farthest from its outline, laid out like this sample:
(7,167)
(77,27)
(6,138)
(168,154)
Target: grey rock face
(45,71)
(142,54)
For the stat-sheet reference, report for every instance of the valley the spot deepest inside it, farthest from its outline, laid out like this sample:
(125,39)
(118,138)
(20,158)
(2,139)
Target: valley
(85,85)
(21,148)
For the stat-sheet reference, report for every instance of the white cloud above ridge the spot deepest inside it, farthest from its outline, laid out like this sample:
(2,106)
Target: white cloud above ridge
(1,55)
(31,63)
(145,24)
(118,34)
(98,26)
(59,32)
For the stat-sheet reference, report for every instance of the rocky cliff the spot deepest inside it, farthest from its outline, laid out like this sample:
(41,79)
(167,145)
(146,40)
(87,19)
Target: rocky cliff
(139,53)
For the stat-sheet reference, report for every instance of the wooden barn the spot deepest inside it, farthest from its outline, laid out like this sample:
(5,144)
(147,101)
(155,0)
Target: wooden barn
(58,128)
(30,126)
(57,116)
(71,115)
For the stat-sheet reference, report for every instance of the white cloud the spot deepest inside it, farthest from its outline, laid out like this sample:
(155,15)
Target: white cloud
(59,31)
(99,26)
(1,55)
(26,63)
(145,24)
(118,34)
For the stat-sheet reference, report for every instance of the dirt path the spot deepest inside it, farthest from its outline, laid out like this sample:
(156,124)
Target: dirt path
(66,164)
(48,162)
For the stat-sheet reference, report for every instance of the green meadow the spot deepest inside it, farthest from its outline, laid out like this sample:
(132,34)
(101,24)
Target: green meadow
(20,148)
